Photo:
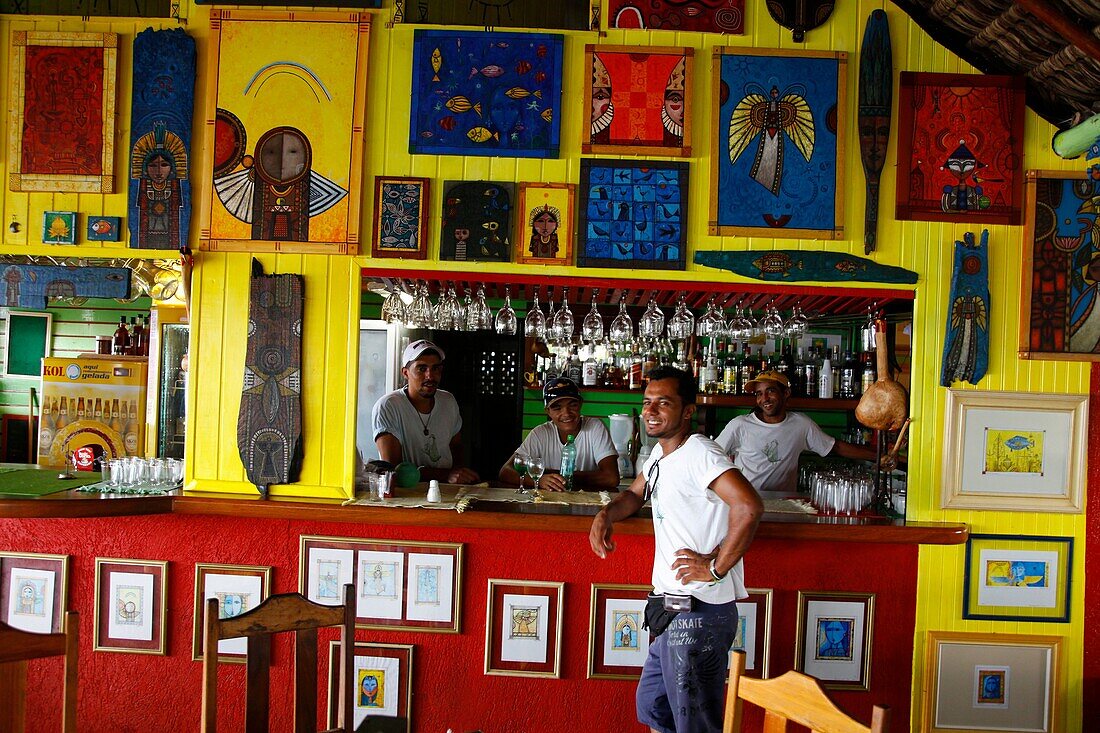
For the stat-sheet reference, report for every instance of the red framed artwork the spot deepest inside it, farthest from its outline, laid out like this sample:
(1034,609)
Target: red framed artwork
(130,605)
(68,77)
(383,684)
(410,585)
(638,100)
(960,148)
(523,628)
(33,591)
(617,643)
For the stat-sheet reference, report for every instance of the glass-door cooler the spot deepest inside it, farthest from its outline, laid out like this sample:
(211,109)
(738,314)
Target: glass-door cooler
(168,356)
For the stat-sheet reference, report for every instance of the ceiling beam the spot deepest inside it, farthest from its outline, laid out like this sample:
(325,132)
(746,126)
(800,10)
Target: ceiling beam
(1063,26)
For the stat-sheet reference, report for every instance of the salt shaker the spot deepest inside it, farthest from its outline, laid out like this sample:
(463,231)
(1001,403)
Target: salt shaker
(433,491)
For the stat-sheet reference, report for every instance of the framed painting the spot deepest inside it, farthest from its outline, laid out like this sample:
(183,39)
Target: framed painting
(638,100)
(34,590)
(383,685)
(1018,578)
(284,124)
(635,214)
(1014,451)
(546,228)
(977,682)
(70,76)
(566,15)
(480,93)
(960,148)
(833,641)
(1061,267)
(712,16)
(27,340)
(58,227)
(239,589)
(523,624)
(477,221)
(400,217)
(130,603)
(104,228)
(617,643)
(777,136)
(410,585)
(754,631)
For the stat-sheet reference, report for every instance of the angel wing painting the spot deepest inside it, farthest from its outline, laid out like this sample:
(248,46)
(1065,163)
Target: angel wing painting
(768,116)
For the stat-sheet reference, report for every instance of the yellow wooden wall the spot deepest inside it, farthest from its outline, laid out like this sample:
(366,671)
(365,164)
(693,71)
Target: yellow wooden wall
(331,283)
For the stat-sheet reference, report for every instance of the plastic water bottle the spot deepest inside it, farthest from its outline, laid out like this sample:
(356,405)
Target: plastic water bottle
(568,462)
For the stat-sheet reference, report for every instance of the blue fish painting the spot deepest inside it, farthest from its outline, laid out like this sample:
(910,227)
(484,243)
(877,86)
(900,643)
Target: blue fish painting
(1019,442)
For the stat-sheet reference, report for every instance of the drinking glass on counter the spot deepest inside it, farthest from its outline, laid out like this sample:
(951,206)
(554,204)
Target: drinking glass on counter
(841,491)
(519,462)
(536,467)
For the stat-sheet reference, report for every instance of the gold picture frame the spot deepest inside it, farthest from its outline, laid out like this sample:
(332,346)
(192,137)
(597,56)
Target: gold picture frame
(1014,451)
(131,599)
(834,638)
(977,682)
(523,623)
(34,569)
(387,656)
(25,176)
(234,598)
(617,643)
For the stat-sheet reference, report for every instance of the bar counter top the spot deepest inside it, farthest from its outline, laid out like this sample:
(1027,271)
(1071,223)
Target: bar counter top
(71,504)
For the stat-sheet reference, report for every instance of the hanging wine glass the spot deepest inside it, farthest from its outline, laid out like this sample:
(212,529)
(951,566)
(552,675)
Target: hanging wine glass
(797,324)
(462,316)
(622,328)
(393,308)
(562,323)
(740,327)
(534,325)
(592,325)
(506,320)
(652,323)
(712,323)
(682,323)
(478,315)
(419,311)
(772,323)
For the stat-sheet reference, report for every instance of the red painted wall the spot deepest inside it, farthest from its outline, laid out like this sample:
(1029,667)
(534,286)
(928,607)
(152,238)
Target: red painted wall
(1091,672)
(130,692)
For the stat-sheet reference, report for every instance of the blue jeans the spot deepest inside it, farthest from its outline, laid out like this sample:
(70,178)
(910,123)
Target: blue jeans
(683,683)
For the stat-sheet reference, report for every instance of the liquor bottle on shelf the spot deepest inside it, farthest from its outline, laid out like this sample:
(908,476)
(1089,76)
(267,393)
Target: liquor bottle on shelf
(711,367)
(867,375)
(574,369)
(849,377)
(744,371)
(591,371)
(730,370)
(825,379)
(120,341)
(798,379)
(649,362)
(137,337)
(636,360)
(836,371)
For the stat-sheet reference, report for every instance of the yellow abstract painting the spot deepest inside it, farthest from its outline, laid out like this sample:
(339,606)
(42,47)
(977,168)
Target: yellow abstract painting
(1013,451)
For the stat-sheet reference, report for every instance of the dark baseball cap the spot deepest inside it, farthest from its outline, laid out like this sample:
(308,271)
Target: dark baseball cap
(560,387)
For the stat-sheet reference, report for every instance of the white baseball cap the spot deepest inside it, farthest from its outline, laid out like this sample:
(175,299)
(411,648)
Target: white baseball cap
(416,348)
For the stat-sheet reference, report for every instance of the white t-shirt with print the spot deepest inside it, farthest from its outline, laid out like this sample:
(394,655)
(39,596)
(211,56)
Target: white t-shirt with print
(593,445)
(768,453)
(396,415)
(687,513)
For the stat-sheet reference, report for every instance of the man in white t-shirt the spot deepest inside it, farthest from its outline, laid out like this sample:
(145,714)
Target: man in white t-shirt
(704,517)
(420,423)
(766,443)
(597,466)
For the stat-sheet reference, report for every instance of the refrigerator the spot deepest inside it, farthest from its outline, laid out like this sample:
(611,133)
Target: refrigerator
(89,400)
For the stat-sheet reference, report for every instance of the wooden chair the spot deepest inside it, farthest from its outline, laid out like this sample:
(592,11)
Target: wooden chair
(16,648)
(287,612)
(794,697)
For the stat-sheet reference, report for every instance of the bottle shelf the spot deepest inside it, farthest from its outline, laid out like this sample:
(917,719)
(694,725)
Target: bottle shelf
(793,403)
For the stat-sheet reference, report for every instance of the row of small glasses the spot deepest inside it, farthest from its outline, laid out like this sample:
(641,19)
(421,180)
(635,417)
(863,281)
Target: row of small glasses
(449,313)
(841,491)
(526,465)
(130,472)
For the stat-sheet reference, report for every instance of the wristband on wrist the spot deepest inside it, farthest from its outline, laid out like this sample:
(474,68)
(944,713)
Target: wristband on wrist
(714,572)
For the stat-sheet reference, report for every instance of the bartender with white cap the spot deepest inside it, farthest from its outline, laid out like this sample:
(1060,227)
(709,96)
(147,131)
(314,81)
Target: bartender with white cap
(420,423)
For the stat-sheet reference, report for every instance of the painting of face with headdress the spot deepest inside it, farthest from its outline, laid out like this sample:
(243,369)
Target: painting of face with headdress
(546,210)
(638,100)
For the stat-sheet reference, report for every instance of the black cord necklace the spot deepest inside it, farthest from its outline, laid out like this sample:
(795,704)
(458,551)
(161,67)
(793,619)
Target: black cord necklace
(654,472)
(418,417)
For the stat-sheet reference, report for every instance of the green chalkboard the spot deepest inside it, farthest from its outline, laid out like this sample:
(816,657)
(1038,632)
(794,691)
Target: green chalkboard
(26,341)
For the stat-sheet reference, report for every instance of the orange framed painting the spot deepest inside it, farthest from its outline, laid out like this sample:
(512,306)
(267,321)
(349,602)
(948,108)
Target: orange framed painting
(638,100)
(284,124)
(62,128)
(546,223)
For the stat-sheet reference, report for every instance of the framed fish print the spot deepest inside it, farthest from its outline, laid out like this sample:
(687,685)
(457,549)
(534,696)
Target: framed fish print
(546,224)
(617,643)
(1018,578)
(34,591)
(1058,319)
(284,124)
(523,623)
(400,217)
(477,221)
(130,602)
(1014,451)
(383,685)
(778,133)
(634,213)
(410,585)
(638,100)
(960,148)
(57,75)
(712,16)
(239,589)
(104,228)
(58,227)
(833,641)
(480,93)
(985,682)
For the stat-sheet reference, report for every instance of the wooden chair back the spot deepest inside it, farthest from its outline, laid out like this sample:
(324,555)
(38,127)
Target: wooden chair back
(793,697)
(287,612)
(16,648)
